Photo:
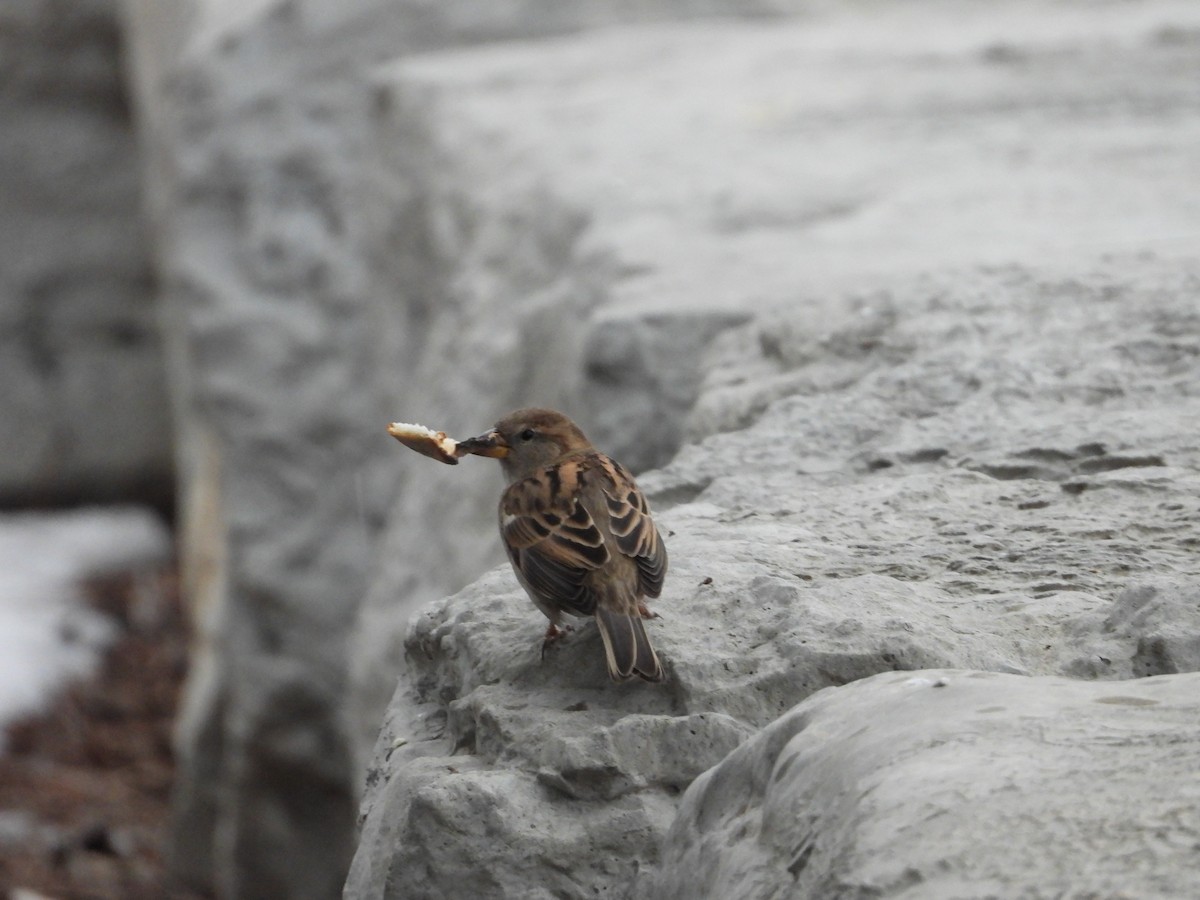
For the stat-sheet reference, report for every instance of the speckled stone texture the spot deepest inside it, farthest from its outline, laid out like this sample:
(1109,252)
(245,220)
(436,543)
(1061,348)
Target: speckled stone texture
(961,495)
(951,784)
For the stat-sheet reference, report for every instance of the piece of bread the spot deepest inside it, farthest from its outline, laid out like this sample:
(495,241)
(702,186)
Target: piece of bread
(426,441)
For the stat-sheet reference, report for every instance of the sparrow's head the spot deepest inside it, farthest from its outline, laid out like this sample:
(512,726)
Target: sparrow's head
(527,440)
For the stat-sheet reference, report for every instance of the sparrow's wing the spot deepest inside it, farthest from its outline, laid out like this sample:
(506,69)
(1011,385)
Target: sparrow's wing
(632,528)
(552,539)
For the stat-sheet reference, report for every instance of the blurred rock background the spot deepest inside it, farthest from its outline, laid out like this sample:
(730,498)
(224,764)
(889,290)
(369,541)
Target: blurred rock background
(84,403)
(239,238)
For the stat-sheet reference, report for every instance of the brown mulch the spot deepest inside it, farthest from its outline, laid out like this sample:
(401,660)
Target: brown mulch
(85,787)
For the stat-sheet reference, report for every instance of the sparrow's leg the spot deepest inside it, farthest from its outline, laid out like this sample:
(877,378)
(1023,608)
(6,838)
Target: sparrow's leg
(553,633)
(644,611)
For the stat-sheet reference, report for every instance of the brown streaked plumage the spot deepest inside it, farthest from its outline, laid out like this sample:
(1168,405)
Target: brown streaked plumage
(578,533)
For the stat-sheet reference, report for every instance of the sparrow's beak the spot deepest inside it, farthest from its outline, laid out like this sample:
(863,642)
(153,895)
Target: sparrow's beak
(490,444)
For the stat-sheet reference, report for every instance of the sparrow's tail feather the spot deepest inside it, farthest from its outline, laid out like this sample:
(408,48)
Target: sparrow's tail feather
(627,647)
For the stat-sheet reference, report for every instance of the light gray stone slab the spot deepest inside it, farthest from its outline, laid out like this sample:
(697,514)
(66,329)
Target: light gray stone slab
(950,783)
(579,219)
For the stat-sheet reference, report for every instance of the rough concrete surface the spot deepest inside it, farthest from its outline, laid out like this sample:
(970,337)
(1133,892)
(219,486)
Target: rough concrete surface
(83,404)
(952,501)
(941,424)
(951,783)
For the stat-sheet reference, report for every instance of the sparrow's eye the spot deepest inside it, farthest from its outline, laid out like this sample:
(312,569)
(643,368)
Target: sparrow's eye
(526,435)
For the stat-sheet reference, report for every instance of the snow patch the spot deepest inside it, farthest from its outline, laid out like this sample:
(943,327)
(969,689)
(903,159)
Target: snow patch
(47,634)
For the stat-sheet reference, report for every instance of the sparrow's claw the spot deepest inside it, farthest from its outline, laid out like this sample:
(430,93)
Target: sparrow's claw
(644,611)
(554,633)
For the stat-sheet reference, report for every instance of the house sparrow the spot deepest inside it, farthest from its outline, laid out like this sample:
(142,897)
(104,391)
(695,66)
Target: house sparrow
(578,533)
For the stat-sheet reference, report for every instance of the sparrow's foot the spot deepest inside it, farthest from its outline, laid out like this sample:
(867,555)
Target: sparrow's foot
(554,633)
(644,611)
